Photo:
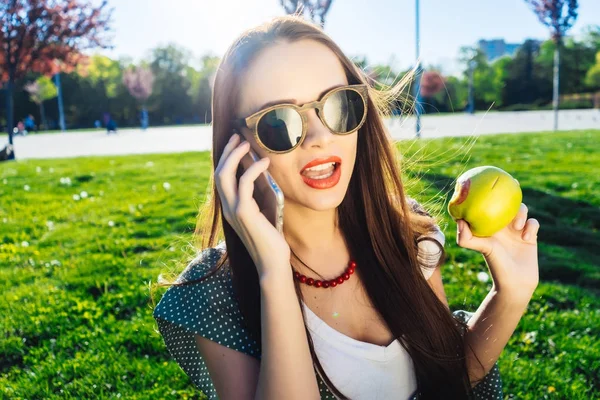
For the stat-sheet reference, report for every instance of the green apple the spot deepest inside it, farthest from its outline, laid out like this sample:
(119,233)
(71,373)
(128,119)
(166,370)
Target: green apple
(487,197)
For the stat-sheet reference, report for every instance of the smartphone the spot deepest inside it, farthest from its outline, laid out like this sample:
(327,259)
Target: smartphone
(267,193)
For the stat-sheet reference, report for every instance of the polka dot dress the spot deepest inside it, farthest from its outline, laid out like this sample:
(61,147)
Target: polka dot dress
(209,309)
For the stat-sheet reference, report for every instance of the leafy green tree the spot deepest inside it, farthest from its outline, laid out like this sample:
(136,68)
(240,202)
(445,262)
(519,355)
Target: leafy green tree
(521,85)
(558,16)
(591,36)
(170,101)
(97,88)
(487,86)
(101,90)
(592,77)
(577,57)
(454,97)
(103,72)
(500,69)
(40,90)
(201,88)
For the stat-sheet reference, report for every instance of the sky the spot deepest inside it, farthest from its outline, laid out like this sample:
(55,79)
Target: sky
(381,30)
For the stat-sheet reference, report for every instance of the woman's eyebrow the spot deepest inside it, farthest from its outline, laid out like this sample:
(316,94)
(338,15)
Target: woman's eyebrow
(293,101)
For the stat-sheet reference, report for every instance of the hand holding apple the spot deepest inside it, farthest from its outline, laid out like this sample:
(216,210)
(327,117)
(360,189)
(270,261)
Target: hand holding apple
(492,219)
(487,197)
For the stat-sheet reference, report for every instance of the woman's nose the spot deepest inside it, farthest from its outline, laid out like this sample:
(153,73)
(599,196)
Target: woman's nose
(317,134)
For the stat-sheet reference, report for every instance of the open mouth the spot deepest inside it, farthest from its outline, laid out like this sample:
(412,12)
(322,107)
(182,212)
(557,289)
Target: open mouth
(322,171)
(326,176)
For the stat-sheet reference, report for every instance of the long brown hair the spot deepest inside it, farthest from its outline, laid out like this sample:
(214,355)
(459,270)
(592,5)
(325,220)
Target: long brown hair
(379,225)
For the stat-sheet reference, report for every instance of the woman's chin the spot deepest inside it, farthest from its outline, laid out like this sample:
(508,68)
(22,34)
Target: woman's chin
(323,200)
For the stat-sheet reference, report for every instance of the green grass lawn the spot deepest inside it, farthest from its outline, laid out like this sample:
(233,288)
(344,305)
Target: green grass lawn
(77,257)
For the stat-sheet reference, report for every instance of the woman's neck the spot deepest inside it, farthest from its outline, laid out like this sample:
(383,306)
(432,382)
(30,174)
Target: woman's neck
(315,237)
(309,230)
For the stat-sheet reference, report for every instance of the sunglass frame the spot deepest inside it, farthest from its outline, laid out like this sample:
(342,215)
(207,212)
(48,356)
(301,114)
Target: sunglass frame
(251,122)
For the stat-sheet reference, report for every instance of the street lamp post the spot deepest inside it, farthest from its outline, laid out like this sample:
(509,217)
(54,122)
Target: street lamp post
(471,99)
(61,112)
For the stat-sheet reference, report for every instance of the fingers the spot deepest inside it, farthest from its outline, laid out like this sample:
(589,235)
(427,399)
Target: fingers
(466,239)
(225,176)
(531,230)
(233,141)
(246,184)
(527,228)
(521,218)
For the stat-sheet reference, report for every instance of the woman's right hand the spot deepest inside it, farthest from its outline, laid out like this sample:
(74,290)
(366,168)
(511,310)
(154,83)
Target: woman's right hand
(265,244)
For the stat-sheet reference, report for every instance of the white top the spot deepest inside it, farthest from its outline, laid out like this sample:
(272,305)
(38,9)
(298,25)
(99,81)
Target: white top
(362,370)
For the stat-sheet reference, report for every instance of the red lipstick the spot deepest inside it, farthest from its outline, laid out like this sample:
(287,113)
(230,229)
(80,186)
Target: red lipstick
(318,161)
(323,183)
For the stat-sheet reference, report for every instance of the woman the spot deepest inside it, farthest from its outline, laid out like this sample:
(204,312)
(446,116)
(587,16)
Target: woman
(349,301)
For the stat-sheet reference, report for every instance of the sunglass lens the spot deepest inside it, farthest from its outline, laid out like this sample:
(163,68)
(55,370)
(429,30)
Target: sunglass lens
(280,129)
(344,110)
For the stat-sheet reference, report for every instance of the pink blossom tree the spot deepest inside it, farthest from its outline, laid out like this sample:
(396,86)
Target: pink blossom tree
(139,81)
(47,36)
(431,83)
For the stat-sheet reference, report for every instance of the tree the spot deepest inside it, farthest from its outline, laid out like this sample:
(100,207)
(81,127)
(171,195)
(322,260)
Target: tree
(102,72)
(454,96)
(139,83)
(314,8)
(433,94)
(35,34)
(592,78)
(558,16)
(431,83)
(486,84)
(576,58)
(171,101)
(202,84)
(40,90)
(520,83)
(591,36)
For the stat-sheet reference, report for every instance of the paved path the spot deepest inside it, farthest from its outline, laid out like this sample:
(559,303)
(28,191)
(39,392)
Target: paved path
(198,138)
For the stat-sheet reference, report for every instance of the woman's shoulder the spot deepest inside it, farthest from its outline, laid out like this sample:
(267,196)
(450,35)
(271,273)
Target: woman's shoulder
(204,261)
(205,307)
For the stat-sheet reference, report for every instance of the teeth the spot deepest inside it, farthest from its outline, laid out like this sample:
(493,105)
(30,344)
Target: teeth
(320,167)
(323,176)
(322,171)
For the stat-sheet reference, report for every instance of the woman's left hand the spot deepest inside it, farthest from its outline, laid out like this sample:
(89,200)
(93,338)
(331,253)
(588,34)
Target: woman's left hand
(511,253)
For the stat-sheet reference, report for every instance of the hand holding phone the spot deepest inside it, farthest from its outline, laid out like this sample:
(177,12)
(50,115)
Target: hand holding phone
(262,237)
(267,193)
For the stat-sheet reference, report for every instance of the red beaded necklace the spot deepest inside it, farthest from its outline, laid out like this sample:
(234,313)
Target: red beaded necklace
(325,284)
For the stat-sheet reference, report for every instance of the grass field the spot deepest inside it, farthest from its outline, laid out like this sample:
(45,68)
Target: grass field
(81,239)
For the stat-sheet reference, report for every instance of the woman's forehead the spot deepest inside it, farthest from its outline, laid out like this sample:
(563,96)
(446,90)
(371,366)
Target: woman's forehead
(298,71)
